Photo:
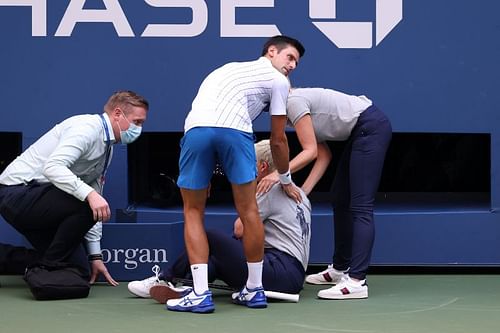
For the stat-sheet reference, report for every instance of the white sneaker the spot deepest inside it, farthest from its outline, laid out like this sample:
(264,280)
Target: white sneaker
(141,288)
(346,289)
(328,276)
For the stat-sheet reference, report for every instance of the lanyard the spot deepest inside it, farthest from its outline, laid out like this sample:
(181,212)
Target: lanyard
(108,148)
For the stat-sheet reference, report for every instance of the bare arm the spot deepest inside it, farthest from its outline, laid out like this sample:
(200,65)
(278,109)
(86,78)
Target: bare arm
(311,150)
(280,152)
(319,168)
(307,139)
(265,184)
(279,143)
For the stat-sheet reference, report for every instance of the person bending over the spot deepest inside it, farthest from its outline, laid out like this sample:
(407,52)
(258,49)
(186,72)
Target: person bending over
(287,233)
(320,115)
(219,129)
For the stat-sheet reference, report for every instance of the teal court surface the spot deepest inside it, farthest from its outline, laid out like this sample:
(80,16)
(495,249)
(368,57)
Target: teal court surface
(400,303)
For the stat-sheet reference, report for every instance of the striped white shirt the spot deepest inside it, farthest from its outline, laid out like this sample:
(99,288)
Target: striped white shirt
(233,95)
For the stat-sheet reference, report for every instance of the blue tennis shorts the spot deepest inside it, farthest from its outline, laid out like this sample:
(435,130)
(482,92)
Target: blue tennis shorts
(203,147)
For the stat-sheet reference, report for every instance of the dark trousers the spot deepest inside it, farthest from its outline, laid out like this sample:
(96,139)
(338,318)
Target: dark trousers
(353,192)
(53,221)
(14,259)
(281,272)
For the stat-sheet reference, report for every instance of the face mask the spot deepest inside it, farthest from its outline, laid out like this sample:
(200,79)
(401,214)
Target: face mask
(131,134)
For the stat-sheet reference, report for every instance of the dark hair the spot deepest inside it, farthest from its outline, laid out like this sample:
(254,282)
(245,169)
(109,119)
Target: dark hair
(282,42)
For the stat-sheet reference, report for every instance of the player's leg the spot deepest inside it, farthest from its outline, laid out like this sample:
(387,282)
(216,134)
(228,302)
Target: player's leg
(237,155)
(196,163)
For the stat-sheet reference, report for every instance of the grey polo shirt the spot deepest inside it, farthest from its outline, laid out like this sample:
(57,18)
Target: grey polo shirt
(333,113)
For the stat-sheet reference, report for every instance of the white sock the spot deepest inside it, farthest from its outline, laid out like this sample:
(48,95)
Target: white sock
(254,274)
(200,278)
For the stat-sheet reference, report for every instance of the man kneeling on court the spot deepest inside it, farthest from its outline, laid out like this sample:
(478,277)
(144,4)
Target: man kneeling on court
(286,254)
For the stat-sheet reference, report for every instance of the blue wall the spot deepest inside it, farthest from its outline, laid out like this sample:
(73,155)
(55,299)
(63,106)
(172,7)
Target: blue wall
(435,71)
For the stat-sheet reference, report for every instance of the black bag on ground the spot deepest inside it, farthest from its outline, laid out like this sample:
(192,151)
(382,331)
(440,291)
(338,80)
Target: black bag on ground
(56,281)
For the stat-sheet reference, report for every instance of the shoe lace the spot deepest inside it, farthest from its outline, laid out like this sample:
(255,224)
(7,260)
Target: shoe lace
(156,270)
(243,294)
(247,294)
(344,279)
(180,289)
(192,297)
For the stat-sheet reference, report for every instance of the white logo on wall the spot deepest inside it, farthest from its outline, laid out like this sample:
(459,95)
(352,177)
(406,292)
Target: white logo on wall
(356,35)
(343,34)
(131,258)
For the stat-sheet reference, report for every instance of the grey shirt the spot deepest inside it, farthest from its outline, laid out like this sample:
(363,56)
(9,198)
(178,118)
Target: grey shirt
(333,113)
(287,225)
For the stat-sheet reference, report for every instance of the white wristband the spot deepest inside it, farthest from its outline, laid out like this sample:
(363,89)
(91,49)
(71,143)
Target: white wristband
(285,178)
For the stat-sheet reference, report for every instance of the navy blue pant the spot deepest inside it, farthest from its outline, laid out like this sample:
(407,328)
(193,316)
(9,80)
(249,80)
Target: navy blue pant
(281,272)
(53,221)
(353,192)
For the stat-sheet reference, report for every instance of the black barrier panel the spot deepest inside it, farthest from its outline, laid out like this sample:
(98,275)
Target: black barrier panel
(449,165)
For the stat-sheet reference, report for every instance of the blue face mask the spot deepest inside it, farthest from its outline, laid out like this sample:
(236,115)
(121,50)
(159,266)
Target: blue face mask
(131,134)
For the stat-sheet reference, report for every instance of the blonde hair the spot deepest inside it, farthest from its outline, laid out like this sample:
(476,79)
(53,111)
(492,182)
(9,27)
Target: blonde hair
(263,153)
(123,99)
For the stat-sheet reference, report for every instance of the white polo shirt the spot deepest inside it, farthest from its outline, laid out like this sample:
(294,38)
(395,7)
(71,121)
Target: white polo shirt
(233,95)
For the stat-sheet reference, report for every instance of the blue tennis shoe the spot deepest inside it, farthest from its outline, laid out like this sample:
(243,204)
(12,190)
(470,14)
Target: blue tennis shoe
(193,302)
(252,298)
